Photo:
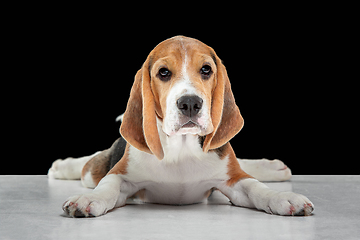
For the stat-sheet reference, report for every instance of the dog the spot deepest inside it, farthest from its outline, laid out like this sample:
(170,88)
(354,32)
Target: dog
(174,146)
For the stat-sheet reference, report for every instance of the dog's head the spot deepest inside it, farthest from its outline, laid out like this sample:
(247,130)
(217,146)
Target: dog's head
(183,84)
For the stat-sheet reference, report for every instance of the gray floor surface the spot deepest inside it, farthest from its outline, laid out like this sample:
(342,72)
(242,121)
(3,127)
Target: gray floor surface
(30,208)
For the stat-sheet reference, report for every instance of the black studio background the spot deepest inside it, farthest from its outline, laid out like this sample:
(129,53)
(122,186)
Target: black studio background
(73,77)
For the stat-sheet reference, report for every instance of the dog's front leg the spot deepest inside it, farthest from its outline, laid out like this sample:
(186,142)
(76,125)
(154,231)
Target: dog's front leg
(103,198)
(251,193)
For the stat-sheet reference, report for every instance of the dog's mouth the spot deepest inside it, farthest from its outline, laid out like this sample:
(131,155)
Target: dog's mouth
(189,124)
(189,127)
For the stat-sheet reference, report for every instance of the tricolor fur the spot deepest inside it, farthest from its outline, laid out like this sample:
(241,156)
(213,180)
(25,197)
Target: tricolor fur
(175,147)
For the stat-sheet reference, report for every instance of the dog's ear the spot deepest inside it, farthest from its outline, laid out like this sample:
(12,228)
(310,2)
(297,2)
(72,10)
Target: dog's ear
(139,126)
(225,114)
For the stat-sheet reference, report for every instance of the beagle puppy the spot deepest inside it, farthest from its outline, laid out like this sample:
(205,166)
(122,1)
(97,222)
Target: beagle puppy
(174,146)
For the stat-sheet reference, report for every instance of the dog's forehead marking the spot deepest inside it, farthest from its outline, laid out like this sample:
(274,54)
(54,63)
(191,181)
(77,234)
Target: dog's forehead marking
(184,72)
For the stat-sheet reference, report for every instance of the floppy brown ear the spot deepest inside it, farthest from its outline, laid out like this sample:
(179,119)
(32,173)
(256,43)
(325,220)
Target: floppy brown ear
(139,126)
(225,114)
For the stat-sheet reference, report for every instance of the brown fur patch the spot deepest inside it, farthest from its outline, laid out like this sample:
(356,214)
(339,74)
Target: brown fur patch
(121,166)
(235,172)
(140,194)
(98,166)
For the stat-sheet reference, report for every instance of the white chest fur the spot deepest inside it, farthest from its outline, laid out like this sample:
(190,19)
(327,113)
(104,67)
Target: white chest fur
(184,176)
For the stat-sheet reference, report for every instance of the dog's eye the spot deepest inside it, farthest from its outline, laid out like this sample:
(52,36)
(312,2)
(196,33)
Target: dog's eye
(164,74)
(205,72)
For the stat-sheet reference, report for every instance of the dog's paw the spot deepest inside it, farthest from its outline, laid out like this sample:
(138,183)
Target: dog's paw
(63,169)
(289,203)
(85,205)
(266,170)
(55,171)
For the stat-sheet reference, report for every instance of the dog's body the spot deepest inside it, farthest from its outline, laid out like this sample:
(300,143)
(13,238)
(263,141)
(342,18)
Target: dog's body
(179,119)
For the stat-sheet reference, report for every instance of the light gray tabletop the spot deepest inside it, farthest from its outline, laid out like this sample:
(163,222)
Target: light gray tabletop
(30,208)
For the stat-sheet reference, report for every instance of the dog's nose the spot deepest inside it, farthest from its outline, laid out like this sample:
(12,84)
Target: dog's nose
(189,105)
